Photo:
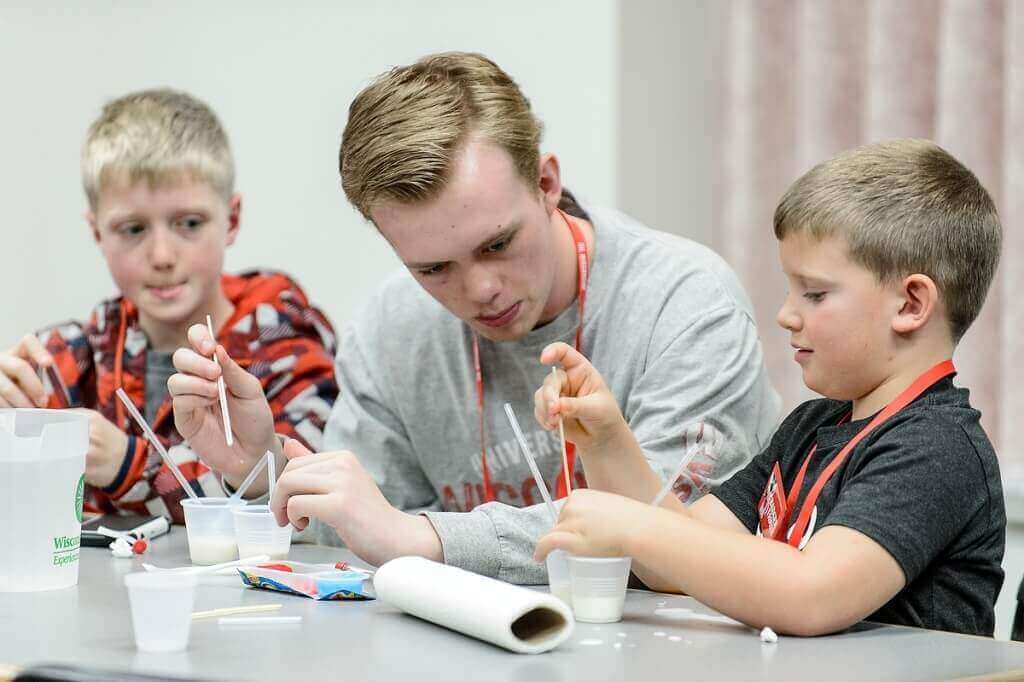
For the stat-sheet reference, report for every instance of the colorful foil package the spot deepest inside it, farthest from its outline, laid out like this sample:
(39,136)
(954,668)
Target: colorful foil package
(317,581)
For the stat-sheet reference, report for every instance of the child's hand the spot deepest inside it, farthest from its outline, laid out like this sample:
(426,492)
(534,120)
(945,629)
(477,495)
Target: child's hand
(594,523)
(19,384)
(335,488)
(580,397)
(107,449)
(197,414)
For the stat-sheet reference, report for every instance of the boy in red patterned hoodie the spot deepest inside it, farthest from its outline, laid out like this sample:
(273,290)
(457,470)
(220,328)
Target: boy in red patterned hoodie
(159,177)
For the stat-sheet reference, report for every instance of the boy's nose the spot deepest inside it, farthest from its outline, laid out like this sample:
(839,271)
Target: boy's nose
(787,317)
(161,249)
(482,284)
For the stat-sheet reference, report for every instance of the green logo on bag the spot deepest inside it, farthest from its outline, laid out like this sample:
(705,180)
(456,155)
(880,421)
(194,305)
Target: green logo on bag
(80,498)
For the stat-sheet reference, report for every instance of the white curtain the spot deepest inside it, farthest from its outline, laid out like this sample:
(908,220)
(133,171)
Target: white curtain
(802,80)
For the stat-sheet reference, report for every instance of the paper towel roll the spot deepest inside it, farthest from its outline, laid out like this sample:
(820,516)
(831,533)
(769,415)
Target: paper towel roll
(518,619)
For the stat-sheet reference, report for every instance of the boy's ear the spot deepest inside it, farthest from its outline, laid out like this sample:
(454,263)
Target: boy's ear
(234,217)
(920,299)
(550,181)
(90,218)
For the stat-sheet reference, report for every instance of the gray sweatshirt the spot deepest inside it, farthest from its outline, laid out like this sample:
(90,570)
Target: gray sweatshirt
(668,326)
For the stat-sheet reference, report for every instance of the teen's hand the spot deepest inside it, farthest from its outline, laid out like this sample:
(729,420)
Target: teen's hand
(335,488)
(19,384)
(107,450)
(197,412)
(580,397)
(594,523)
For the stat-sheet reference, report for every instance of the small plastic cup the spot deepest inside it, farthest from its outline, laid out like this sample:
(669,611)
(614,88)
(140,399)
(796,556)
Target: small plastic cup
(558,575)
(161,605)
(211,529)
(258,533)
(599,587)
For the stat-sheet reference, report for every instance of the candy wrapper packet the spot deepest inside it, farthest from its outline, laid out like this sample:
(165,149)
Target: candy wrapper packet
(322,582)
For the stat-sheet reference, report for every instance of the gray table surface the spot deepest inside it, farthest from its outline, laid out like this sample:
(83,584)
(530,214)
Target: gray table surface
(90,625)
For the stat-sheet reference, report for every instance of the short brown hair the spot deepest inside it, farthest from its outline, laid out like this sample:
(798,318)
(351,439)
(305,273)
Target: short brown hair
(157,135)
(405,128)
(904,206)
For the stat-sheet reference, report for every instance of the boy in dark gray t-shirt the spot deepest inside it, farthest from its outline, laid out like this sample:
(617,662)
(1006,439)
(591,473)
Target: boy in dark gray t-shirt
(924,485)
(882,501)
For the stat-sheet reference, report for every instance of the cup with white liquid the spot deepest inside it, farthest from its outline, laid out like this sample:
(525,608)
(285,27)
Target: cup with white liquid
(211,529)
(599,587)
(558,575)
(258,533)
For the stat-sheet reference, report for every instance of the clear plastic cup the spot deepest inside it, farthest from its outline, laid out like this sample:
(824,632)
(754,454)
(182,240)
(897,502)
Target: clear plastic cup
(599,587)
(211,529)
(558,575)
(258,533)
(161,605)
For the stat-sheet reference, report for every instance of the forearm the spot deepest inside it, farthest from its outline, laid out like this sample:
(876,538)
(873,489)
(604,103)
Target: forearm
(756,581)
(420,540)
(619,466)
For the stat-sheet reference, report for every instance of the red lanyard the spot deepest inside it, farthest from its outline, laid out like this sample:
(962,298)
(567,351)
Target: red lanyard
(582,266)
(912,393)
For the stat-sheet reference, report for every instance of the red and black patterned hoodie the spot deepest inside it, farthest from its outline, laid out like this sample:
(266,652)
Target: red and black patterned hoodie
(274,333)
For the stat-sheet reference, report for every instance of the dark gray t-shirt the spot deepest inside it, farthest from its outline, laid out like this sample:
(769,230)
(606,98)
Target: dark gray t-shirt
(159,369)
(924,485)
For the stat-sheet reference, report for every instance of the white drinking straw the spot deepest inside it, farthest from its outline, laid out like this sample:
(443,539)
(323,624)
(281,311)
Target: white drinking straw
(531,461)
(221,390)
(271,620)
(565,456)
(247,481)
(203,570)
(271,476)
(141,421)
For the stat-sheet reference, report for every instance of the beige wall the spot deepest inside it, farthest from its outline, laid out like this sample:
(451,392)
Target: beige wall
(666,114)
(281,80)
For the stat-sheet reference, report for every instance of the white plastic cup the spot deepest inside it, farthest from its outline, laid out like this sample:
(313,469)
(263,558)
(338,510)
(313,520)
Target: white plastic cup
(211,529)
(161,606)
(257,533)
(599,587)
(558,575)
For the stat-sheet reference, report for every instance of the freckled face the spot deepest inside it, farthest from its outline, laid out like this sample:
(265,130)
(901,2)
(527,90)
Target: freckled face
(164,246)
(483,248)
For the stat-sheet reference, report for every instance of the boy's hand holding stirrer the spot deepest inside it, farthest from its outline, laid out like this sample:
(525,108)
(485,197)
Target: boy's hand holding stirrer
(206,381)
(577,400)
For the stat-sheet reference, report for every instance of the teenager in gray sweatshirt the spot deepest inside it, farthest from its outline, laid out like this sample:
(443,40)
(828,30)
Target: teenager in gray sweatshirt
(443,157)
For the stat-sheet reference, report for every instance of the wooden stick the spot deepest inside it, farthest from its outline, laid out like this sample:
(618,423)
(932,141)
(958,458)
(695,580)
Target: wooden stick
(217,613)
(565,455)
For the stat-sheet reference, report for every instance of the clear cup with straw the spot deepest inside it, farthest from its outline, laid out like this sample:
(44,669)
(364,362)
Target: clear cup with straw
(256,526)
(258,533)
(211,529)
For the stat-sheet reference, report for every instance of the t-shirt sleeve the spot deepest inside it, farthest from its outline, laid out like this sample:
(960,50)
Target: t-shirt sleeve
(363,421)
(742,492)
(913,490)
(708,379)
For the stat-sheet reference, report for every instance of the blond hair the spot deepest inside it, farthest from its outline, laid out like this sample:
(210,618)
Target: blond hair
(903,207)
(405,128)
(159,136)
